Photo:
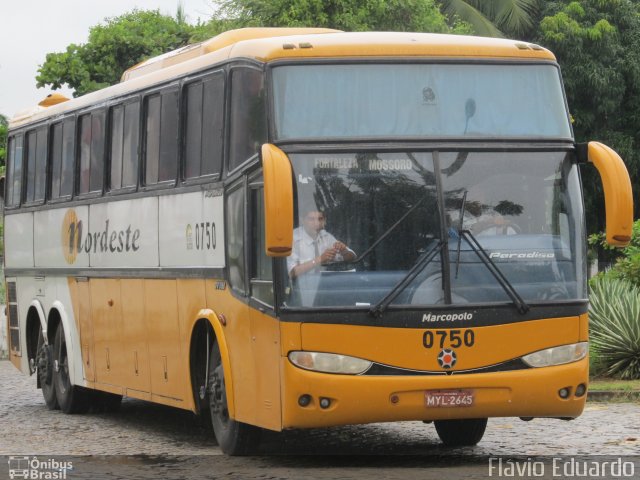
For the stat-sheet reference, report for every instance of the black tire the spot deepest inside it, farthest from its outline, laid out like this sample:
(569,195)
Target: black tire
(234,438)
(199,363)
(461,433)
(71,398)
(44,370)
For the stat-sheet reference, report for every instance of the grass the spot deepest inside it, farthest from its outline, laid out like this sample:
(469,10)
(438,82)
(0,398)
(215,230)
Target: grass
(613,385)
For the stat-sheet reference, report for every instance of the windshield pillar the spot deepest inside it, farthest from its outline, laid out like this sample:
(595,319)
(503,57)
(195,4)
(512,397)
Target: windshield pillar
(444,234)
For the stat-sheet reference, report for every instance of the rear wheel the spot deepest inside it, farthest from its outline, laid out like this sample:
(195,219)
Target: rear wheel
(234,438)
(461,433)
(71,398)
(44,368)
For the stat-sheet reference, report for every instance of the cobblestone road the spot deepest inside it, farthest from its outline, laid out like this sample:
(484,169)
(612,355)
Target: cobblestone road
(157,438)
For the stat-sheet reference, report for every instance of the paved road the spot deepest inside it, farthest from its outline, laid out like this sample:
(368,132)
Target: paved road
(144,438)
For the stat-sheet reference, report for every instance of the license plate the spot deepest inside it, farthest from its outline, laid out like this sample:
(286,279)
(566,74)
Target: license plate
(448,398)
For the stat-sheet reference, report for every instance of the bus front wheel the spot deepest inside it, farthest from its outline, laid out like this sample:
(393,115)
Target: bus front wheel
(234,438)
(461,433)
(71,398)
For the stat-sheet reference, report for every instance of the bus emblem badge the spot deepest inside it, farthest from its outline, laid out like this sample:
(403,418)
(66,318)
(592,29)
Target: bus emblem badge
(447,358)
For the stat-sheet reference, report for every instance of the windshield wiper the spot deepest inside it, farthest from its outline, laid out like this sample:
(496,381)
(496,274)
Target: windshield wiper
(423,260)
(520,304)
(384,235)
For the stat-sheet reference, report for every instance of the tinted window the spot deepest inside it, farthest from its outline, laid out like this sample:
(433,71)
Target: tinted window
(124,145)
(161,124)
(235,238)
(262,265)
(421,100)
(204,127)
(56,159)
(92,136)
(97,151)
(36,164)
(14,174)
(68,143)
(62,159)
(248,120)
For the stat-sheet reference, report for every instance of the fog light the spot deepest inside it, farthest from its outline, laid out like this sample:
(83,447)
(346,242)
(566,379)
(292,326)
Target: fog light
(581,390)
(564,392)
(325,403)
(304,400)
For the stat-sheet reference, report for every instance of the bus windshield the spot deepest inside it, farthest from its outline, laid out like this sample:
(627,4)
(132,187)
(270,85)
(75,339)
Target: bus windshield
(388,211)
(419,100)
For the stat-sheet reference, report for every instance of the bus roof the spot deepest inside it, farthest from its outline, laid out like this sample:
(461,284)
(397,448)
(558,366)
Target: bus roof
(270,44)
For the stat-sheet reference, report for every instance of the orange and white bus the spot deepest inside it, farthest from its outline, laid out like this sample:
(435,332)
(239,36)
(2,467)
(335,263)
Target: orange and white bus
(292,228)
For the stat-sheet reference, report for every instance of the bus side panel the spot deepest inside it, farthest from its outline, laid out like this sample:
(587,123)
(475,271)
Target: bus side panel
(134,338)
(106,315)
(191,300)
(237,334)
(18,240)
(265,337)
(81,295)
(191,233)
(161,317)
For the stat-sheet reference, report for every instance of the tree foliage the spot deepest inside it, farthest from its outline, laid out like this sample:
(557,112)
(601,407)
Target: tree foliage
(496,18)
(597,43)
(114,46)
(354,15)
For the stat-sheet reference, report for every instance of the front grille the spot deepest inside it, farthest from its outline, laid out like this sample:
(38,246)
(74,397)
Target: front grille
(11,292)
(14,321)
(13,315)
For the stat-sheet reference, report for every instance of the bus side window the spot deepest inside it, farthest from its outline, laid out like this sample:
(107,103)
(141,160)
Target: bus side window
(124,145)
(261,264)
(14,174)
(235,237)
(62,159)
(248,118)
(204,101)
(92,137)
(36,165)
(161,124)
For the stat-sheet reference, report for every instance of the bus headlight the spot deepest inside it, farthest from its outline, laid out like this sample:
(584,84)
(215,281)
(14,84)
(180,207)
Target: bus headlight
(557,355)
(329,362)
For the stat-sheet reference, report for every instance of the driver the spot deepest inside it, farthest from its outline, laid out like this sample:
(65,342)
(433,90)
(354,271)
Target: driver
(314,247)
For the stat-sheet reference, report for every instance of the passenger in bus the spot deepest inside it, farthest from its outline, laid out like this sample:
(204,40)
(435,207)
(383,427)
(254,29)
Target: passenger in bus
(314,247)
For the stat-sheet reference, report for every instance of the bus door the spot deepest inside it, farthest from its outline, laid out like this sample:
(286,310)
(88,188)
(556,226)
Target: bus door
(265,329)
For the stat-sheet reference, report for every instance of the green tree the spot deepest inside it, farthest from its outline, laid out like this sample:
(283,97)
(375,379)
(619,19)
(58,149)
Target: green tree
(495,18)
(113,47)
(353,15)
(597,43)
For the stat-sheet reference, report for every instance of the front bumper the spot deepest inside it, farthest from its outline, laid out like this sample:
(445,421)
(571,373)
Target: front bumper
(366,399)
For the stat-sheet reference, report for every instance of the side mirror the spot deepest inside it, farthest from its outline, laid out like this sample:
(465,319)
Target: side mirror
(618,197)
(278,201)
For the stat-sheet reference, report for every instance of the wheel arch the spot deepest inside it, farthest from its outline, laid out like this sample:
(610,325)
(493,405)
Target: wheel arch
(58,316)
(208,319)
(36,323)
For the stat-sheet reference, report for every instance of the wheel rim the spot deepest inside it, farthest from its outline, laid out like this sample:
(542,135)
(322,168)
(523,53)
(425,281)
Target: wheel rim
(61,366)
(45,365)
(218,397)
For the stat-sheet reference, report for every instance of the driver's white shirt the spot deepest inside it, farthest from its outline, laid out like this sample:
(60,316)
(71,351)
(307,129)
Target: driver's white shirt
(304,249)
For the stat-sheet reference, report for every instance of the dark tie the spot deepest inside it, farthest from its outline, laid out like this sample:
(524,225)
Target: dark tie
(316,249)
